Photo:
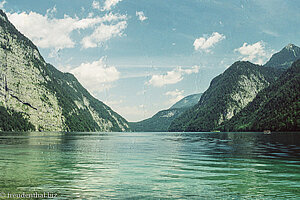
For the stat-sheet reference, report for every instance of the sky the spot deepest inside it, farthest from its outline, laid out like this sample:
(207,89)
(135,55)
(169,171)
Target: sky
(142,56)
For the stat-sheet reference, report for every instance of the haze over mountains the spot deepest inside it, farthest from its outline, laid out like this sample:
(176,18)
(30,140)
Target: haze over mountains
(161,121)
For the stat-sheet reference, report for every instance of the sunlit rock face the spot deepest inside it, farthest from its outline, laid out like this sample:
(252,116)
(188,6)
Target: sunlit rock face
(275,108)
(52,100)
(23,78)
(249,86)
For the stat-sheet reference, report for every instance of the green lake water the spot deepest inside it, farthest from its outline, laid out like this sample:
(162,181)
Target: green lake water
(151,165)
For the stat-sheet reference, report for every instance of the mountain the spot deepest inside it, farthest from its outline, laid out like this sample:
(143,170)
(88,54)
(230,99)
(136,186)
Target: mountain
(34,95)
(226,96)
(285,57)
(188,101)
(161,121)
(275,108)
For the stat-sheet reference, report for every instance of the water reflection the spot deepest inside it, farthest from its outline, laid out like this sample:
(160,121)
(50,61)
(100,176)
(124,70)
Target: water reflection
(152,165)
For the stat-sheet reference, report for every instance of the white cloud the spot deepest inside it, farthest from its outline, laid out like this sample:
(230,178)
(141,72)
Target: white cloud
(47,32)
(255,53)
(96,76)
(193,70)
(113,17)
(206,43)
(96,5)
(2,4)
(141,15)
(108,4)
(90,15)
(51,11)
(103,33)
(175,95)
(171,77)
(43,31)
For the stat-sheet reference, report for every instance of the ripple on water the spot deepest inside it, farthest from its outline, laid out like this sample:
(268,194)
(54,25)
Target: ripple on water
(152,165)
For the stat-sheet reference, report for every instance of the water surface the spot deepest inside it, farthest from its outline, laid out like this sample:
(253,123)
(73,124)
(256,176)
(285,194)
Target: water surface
(152,165)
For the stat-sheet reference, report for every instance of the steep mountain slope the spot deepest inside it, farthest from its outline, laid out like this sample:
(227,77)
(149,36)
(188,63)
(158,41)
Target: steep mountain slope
(227,95)
(161,121)
(46,98)
(275,108)
(285,57)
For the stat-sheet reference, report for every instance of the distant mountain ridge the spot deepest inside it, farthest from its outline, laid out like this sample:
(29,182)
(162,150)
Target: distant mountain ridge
(40,96)
(161,121)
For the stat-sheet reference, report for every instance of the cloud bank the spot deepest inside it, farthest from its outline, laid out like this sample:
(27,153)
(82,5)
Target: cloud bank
(48,32)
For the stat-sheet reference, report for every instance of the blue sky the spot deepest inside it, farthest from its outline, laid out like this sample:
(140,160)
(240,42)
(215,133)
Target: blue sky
(141,56)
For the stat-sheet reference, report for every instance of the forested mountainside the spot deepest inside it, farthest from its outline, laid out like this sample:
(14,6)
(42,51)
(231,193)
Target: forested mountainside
(227,95)
(236,88)
(275,108)
(36,96)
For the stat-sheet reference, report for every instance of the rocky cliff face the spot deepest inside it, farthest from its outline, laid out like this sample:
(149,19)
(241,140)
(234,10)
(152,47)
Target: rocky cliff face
(227,95)
(22,81)
(275,108)
(52,100)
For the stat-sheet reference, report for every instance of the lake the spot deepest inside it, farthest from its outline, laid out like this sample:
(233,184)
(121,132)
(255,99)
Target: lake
(151,165)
